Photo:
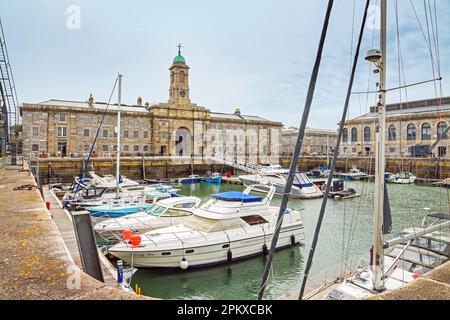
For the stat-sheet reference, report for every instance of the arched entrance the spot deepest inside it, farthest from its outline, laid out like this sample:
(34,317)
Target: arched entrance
(183,142)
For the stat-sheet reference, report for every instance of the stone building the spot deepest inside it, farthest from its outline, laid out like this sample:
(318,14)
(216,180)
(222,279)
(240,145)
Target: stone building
(407,124)
(316,141)
(177,127)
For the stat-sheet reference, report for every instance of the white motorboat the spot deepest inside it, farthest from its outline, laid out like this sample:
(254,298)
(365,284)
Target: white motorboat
(164,213)
(402,178)
(229,226)
(275,175)
(353,174)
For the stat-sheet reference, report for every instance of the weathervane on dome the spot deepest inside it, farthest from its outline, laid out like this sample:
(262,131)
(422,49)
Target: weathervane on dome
(179,48)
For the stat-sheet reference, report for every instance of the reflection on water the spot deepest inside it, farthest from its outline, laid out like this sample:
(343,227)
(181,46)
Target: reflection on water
(346,233)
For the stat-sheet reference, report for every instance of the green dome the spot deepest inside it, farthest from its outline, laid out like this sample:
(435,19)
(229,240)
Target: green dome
(179,58)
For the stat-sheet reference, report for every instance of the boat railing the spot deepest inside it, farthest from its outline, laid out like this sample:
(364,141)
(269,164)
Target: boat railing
(319,280)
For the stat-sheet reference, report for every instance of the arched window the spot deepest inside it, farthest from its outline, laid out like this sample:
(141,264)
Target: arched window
(426,131)
(411,132)
(345,135)
(354,135)
(392,133)
(367,134)
(441,128)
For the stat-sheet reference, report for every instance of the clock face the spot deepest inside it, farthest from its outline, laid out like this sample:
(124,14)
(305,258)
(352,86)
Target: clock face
(182,93)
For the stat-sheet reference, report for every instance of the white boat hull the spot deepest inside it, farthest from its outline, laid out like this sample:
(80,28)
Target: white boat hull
(210,254)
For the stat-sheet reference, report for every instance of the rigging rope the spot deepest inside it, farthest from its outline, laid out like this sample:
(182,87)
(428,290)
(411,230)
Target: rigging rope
(83,171)
(298,147)
(335,156)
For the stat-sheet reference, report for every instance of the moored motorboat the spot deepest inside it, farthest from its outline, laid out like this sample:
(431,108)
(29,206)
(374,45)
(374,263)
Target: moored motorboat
(117,210)
(353,174)
(193,178)
(302,187)
(215,177)
(229,226)
(164,213)
(402,178)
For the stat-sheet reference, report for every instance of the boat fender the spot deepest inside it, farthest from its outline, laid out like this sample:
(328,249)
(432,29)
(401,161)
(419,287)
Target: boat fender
(184,264)
(292,239)
(229,255)
(264,249)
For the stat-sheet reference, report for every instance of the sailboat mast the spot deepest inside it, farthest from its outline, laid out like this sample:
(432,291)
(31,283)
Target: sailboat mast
(119,97)
(378,263)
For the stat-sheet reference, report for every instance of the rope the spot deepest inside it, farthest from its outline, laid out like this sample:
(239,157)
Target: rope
(298,145)
(335,156)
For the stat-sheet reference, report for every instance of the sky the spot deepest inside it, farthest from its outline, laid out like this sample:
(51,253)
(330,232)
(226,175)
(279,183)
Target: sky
(255,55)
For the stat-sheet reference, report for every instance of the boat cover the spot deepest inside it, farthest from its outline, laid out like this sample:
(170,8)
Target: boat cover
(236,196)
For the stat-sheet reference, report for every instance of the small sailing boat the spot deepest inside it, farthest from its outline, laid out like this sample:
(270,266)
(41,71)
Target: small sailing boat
(353,174)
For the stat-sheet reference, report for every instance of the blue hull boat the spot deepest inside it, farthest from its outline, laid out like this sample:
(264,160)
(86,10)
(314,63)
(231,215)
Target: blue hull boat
(213,180)
(116,211)
(190,179)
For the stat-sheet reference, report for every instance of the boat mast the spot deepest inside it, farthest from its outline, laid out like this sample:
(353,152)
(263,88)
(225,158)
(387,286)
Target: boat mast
(378,263)
(119,96)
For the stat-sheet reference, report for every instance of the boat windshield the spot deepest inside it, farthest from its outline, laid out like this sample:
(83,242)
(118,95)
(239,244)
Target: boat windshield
(176,213)
(299,178)
(156,210)
(210,225)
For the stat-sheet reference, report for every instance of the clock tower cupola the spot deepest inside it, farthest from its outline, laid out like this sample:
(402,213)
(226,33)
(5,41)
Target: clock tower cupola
(179,80)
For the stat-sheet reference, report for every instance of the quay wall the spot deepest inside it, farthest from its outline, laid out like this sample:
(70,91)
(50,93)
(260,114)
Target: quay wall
(34,261)
(162,167)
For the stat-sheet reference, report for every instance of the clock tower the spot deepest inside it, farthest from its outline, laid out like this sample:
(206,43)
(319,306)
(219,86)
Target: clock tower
(179,80)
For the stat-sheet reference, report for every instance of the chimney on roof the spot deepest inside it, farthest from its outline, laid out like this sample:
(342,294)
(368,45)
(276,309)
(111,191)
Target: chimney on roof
(139,102)
(237,111)
(91,100)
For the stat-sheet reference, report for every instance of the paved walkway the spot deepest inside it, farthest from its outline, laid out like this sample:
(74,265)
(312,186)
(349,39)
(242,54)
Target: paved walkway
(34,261)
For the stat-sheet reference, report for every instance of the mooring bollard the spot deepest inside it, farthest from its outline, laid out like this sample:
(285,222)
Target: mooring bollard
(47,204)
(119,272)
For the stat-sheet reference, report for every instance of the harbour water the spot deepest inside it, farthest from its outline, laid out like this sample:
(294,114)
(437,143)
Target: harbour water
(346,234)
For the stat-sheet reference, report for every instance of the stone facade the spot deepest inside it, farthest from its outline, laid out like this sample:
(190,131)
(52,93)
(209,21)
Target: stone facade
(407,124)
(316,141)
(177,127)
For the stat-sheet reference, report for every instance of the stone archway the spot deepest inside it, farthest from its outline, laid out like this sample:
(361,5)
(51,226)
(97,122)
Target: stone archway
(183,142)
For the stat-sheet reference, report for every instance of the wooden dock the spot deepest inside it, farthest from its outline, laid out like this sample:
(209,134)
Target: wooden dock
(232,180)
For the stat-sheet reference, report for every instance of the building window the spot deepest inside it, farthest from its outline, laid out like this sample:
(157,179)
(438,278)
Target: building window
(136,148)
(392,133)
(145,134)
(86,133)
(426,131)
(441,128)
(354,135)
(105,147)
(145,148)
(36,117)
(136,134)
(62,131)
(62,117)
(367,134)
(115,148)
(411,132)
(126,148)
(442,151)
(125,133)
(353,150)
(392,150)
(35,148)
(105,133)
(35,131)
(345,135)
